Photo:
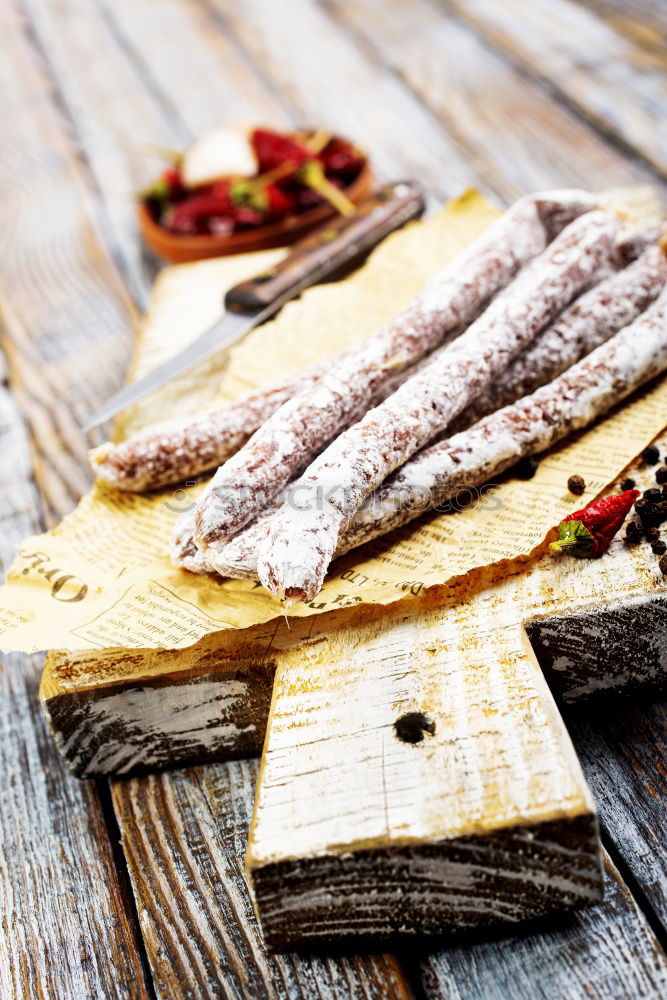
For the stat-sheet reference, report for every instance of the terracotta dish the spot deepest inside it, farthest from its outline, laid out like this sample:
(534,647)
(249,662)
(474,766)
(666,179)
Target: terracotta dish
(179,248)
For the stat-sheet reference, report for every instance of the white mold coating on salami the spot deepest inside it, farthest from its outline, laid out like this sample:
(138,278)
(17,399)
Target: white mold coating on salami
(306,424)
(588,322)
(183,552)
(229,559)
(570,402)
(184,447)
(293,559)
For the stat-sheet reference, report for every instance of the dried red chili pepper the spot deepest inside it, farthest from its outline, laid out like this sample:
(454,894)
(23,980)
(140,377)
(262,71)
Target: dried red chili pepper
(587,533)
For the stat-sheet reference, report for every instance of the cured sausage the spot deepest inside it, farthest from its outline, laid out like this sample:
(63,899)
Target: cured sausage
(294,557)
(308,422)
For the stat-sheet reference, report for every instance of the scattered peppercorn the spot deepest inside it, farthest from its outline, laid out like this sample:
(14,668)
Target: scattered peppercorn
(663,564)
(661,475)
(633,533)
(587,533)
(576,485)
(651,533)
(627,484)
(664,492)
(410,728)
(651,455)
(659,547)
(649,513)
(654,495)
(526,468)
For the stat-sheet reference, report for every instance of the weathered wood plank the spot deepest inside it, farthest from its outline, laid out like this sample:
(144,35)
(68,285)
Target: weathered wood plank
(67,932)
(623,749)
(184,836)
(67,315)
(192,66)
(419,760)
(644,22)
(329,80)
(609,78)
(125,107)
(608,950)
(162,723)
(526,140)
(113,115)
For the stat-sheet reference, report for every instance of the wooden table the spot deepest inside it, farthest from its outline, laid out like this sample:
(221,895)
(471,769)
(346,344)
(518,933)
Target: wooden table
(134,888)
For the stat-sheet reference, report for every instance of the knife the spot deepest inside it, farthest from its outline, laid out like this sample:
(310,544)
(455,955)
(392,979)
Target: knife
(322,253)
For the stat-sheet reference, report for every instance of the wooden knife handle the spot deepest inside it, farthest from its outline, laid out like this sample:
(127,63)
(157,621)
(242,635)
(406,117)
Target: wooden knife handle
(330,247)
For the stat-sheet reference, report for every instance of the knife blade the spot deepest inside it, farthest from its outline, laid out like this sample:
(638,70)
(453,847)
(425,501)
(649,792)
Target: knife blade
(319,255)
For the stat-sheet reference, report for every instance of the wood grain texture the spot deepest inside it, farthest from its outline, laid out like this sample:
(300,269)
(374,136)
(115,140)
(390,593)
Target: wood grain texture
(141,727)
(215,83)
(453,72)
(620,648)
(311,62)
(622,748)
(605,951)
(643,22)
(184,836)
(610,78)
(486,819)
(137,47)
(69,344)
(115,145)
(67,932)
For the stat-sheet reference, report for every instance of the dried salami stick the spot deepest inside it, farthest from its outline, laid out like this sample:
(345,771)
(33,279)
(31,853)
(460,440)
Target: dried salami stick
(570,402)
(304,425)
(183,552)
(182,548)
(592,319)
(293,559)
(184,447)
(588,322)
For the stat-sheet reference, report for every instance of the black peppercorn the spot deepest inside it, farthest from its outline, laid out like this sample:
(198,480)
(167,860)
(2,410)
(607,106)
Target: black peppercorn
(651,533)
(633,533)
(663,564)
(661,475)
(410,728)
(654,495)
(649,513)
(659,547)
(525,468)
(576,485)
(627,484)
(651,455)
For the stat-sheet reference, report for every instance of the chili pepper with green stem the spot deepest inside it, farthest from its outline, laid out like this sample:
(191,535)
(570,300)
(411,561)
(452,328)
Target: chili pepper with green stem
(587,533)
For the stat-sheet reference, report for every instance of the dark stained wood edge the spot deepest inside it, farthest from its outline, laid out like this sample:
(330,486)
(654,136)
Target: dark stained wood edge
(131,728)
(166,723)
(473,882)
(615,650)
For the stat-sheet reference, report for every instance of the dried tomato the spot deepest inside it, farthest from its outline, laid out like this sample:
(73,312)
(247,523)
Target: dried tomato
(273,149)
